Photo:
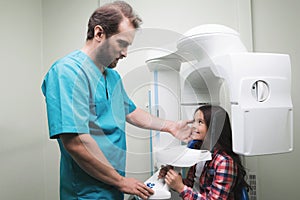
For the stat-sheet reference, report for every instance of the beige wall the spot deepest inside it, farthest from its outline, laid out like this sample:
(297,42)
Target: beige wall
(21,144)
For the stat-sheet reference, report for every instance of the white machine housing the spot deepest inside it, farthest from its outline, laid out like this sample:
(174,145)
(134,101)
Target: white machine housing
(178,157)
(258,85)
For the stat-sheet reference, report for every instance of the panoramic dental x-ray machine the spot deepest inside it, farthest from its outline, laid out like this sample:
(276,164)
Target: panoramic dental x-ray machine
(259,98)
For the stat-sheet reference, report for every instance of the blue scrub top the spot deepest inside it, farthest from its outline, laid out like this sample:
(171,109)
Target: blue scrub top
(80,100)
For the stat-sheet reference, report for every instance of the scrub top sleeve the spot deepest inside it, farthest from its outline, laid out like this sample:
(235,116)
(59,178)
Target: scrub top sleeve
(67,97)
(130,105)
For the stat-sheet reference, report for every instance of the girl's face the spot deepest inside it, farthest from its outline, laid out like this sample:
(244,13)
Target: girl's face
(199,128)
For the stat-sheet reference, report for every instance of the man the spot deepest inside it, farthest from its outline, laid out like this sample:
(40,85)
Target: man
(88,107)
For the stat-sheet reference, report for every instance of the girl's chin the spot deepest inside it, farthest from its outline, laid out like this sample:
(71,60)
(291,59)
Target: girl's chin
(196,136)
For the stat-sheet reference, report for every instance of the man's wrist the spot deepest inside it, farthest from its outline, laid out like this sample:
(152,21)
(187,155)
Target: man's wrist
(167,126)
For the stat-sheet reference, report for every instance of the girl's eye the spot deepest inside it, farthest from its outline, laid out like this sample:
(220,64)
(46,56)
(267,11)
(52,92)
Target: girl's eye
(200,122)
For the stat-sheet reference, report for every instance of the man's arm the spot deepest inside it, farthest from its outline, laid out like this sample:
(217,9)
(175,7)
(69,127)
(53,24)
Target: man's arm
(85,151)
(143,119)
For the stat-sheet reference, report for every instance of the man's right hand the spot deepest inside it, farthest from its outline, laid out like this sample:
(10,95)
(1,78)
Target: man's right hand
(135,187)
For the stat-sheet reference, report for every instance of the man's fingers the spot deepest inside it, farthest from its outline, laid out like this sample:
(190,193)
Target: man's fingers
(144,191)
(190,121)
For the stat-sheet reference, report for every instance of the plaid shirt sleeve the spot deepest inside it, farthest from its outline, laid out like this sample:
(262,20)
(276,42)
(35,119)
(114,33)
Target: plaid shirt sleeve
(216,180)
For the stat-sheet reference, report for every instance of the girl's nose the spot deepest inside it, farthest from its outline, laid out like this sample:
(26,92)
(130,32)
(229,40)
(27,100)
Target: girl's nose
(194,125)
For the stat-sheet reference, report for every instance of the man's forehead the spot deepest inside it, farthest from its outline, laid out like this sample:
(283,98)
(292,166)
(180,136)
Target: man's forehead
(126,31)
(126,36)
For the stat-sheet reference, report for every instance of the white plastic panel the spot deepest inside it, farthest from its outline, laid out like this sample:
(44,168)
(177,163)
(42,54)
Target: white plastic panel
(262,130)
(182,156)
(212,40)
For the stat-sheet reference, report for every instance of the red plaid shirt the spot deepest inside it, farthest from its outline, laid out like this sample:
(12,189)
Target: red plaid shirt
(216,181)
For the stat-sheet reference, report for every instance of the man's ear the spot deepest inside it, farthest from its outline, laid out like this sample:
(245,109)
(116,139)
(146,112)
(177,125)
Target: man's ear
(99,33)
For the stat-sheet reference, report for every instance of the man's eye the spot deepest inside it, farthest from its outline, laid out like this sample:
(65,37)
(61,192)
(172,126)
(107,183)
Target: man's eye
(123,44)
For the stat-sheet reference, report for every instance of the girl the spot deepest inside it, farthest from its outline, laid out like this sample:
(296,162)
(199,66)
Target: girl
(223,176)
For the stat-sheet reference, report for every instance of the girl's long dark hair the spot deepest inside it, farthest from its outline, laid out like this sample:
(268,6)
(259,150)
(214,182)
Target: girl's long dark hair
(220,137)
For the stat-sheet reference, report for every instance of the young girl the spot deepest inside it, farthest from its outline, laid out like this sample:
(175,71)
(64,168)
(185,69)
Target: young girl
(223,176)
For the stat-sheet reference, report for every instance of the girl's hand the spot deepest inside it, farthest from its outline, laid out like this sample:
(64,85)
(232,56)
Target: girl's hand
(164,170)
(174,180)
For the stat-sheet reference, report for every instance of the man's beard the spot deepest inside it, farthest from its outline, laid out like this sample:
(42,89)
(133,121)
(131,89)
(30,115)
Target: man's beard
(113,64)
(104,58)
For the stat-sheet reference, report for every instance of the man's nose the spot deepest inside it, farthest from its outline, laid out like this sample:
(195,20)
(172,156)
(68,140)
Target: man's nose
(123,53)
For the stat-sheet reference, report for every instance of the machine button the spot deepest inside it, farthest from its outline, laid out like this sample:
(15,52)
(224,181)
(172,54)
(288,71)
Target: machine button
(260,91)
